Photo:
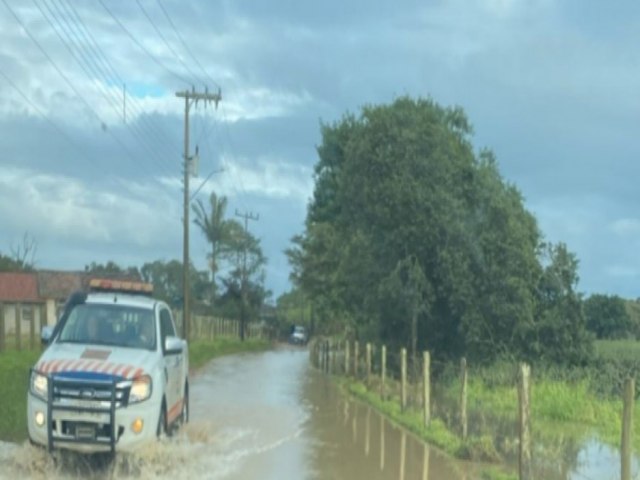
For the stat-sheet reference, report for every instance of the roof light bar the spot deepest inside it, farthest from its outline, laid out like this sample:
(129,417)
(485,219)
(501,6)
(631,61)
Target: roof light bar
(126,286)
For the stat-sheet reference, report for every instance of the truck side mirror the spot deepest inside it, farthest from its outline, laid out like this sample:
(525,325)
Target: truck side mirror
(45,334)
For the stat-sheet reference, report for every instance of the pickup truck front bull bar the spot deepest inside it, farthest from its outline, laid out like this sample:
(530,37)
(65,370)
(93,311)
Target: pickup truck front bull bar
(69,394)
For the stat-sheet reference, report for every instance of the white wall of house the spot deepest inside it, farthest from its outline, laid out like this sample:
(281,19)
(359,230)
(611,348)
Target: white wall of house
(28,311)
(52,311)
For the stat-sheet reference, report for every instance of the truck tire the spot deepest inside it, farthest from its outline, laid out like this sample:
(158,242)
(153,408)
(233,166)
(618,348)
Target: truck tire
(184,416)
(161,430)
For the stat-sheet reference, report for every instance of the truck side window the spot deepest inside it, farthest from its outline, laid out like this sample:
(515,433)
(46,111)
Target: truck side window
(166,326)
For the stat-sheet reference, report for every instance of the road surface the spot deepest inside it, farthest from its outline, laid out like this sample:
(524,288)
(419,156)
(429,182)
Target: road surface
(266,416)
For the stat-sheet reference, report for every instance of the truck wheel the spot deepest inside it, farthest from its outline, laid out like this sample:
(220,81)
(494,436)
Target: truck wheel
(184,416)
(161,431)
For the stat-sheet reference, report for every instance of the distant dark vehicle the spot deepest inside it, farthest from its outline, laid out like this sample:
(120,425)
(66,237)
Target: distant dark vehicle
(298,335)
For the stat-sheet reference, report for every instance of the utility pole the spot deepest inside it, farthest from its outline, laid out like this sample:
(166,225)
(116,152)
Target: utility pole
(243,285)
(190,97)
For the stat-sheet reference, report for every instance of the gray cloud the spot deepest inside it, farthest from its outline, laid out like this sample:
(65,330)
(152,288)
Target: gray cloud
(550,86)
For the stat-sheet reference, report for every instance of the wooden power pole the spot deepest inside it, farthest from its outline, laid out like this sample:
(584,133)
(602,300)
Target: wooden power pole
(190,97)
(243,285)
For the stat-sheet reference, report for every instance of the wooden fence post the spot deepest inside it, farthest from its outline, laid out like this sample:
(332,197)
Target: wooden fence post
(524,398)
(425,462)
(627,428)
(367,433)
(403,379)
(426,383)
(383,372)
(368,353)
(356,353)
(382,449)
(2,328)
(403,453)
(326,356)
(346,358)
(18,327)
(463,397)
(32,328)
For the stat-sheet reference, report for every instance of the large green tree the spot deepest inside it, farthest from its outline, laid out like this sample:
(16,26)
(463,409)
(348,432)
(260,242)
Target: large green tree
(413,238)
(608,317)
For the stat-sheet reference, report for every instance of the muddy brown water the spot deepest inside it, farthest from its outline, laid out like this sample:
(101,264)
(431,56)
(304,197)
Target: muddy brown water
(270,416)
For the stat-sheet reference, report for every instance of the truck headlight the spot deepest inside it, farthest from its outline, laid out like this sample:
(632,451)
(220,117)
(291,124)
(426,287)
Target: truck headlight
(39,385)
(140,389)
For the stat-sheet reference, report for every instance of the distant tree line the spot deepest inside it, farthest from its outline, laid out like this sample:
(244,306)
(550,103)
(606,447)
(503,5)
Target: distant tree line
(413,238)
(235,259)
(236,264)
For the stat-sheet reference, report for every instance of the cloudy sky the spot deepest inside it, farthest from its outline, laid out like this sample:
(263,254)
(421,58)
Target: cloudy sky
(551,86)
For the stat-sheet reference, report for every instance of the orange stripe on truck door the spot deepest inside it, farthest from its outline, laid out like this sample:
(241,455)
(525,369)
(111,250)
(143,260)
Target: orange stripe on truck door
(174,411)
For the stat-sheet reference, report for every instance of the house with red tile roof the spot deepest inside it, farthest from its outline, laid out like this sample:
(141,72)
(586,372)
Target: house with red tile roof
(54,287)
(20,303)
(31,296)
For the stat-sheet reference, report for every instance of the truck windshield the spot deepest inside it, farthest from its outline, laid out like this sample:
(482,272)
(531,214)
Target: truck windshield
(116,325)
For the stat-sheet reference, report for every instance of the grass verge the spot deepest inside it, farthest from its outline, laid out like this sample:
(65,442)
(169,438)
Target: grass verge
(480,448)
(200,352)
(564,415)
(14,373)
(14,378)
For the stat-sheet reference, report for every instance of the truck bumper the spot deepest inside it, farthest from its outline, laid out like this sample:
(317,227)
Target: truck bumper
(80,430)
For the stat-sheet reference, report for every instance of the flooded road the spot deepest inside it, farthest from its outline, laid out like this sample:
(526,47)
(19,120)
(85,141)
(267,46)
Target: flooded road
(259,416)
(271,416)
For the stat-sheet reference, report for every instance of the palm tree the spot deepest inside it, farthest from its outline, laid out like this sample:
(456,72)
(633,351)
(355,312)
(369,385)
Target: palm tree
(213,226)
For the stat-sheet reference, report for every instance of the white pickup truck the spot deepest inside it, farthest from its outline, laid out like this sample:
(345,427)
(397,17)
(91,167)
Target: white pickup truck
(114,375)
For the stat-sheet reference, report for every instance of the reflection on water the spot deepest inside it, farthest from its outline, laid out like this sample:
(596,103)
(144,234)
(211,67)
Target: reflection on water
(270,416)
(375,448)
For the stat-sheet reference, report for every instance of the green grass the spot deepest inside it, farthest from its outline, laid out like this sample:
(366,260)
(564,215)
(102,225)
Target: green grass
(200,352)
(618,350)
(567,409)
(570,407)
(14,378)
(436,433)
(14,371)
(497,474)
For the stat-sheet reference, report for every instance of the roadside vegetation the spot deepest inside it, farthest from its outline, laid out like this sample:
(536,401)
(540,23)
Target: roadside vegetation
(569,406)
(201,352)
(14,378)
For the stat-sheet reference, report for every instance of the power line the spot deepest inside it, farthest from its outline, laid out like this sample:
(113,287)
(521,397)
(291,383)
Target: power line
(228,134)
(110,73)
(51,122)
(142,47)
(46,117)
(89,69)
(184,44)
(68,82)
(193,57)
(164,40)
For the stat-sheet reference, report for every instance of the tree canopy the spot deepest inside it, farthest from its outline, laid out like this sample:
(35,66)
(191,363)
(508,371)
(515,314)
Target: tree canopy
(608,317)
(413,238)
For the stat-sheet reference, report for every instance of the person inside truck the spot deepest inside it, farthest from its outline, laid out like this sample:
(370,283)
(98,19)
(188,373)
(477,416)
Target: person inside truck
(147,334)
(93,328)
(97,330)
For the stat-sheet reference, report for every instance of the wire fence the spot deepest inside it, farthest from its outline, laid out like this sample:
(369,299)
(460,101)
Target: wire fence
(21,326)
(406,381)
